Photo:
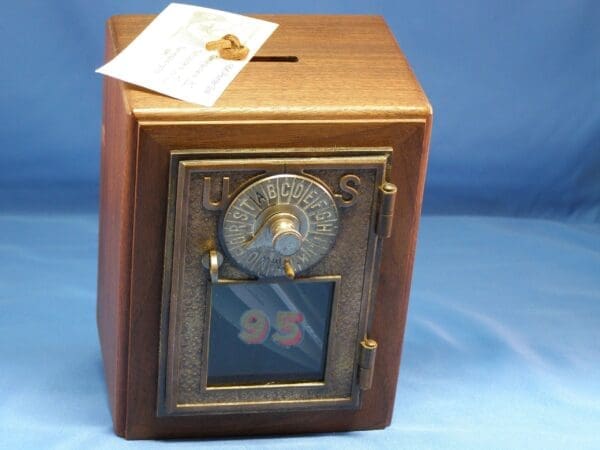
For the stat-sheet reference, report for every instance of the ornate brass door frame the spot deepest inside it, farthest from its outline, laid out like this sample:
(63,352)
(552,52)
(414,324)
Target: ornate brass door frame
(201,188)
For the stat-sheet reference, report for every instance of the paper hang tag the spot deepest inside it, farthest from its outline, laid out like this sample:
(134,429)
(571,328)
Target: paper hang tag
(170,57)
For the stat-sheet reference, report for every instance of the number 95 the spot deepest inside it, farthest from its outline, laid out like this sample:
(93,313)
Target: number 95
(255,327)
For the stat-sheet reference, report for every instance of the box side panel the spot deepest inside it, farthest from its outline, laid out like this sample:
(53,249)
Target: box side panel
(409,167)
(115,227)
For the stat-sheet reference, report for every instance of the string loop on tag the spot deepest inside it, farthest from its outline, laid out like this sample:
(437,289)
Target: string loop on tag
(229,47)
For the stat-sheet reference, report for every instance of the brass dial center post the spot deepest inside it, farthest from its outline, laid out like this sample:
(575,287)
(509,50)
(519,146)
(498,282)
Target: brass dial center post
(286,237)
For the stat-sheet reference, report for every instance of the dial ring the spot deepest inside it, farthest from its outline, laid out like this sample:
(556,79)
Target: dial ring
(305,198)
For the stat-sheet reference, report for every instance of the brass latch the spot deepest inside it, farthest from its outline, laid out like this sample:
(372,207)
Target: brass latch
(368,350)
(387,201)
(212,260)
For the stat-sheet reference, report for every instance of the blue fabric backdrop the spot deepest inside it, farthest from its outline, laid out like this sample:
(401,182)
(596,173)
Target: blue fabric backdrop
(514,85)
(502,346)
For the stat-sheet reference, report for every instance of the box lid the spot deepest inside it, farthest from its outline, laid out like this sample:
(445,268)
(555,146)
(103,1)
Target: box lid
(349,67)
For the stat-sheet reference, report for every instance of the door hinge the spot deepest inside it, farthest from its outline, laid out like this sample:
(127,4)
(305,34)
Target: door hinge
(387,201)
(366,367)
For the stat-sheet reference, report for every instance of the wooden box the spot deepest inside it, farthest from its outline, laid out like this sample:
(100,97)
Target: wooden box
(350,113)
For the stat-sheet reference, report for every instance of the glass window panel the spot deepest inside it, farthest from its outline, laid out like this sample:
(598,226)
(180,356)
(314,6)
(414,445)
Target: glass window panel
(262,333)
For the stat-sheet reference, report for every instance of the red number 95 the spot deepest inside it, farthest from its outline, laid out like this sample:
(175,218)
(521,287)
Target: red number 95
(255,327)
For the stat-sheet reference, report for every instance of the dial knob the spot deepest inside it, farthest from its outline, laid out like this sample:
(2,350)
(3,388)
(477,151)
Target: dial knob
(280,225)
(285,228)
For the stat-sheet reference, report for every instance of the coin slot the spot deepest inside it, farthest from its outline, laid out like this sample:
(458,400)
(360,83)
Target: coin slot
(286,58)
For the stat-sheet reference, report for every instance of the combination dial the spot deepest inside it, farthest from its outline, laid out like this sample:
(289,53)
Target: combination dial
(280,225)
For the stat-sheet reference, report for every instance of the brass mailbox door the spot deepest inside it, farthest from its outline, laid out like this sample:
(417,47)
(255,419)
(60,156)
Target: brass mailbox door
(271,263)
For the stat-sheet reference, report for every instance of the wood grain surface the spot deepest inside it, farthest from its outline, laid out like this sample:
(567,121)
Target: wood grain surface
(349,67)
(352,87)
